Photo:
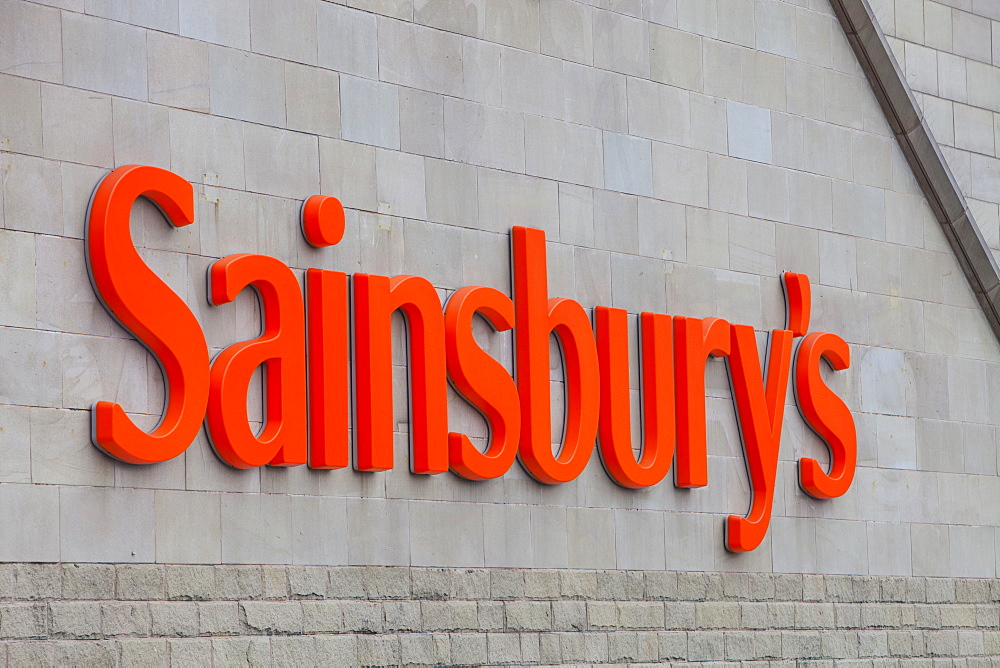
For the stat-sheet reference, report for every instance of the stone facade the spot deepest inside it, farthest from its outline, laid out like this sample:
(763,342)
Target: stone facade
(679,154)
(293,616)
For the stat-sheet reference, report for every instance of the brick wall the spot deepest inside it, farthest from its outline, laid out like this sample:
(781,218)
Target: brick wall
(259,615)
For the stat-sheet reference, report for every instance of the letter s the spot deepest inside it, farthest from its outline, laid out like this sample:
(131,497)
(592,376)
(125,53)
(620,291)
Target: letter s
(150,310)
(826,414)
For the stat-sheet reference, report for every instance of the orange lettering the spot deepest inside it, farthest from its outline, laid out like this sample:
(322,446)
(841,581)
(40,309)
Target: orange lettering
(375,300)
(151,311)
(656,342)
(484,382)
(280,348)
(536,318)
(826,414)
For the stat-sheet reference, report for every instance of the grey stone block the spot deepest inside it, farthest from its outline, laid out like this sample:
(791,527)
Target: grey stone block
(239,582)
(386,525)
(187,583)
(417,57)
(241,651)
(369,112)
(491,615)
(189,651)
(675,57)
(672,645)
(661,585)
(348,173)
(506,583)
(313,100)
(140,582)
(207,149)
(621,44)
(402,615)
(578,584)
(104,56)
(322,617)
(74,620)
(387,582)
(275,579)
(307,582)
(620,585)
(940,590)
(178,72)
(142,652)
(543,94)
(503,648)
(590,541)
(421,122)
(226,23)
(717,615)
(30,524)
(349,40)
(469,648)
(88,581)
(754,616)
(71,652)
(972,591)
(470,584)
(450,615)
(362,617)
(379,650)
(272,617)
(21,129)
(431,583)
(247,86)
(749,132)
(125,619)
(706,645)
(511,199)
(942,643)
(174,618)
(483,136)
(31,42)
(281,163)
(569,615)
(270,545)
(293,651)
(602,615)
(158,16)
(218,618)
(289,33)
(528,616)
(958,616)
(106,524)
(641,615)
(417,649)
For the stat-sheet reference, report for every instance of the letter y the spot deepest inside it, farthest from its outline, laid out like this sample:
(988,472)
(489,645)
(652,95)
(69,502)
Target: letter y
(760,411)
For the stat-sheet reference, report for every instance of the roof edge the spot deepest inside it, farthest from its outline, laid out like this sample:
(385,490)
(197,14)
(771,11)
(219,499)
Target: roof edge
(922,153)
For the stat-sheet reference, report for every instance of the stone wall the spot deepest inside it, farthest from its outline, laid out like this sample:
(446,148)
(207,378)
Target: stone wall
(950,52)
(377,616)
(679,154)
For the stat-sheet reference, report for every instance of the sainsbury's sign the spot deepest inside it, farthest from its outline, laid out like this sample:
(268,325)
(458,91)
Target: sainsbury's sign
(305,351)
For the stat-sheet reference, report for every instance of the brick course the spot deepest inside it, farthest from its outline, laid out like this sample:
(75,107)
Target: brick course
(418,622)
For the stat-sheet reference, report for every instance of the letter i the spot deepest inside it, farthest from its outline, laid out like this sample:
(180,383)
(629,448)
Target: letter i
(328,319)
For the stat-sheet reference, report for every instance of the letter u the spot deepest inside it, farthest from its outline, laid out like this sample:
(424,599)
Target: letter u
(657,372)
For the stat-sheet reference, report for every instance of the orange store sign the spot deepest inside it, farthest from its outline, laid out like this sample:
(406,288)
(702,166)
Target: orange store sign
(305,349)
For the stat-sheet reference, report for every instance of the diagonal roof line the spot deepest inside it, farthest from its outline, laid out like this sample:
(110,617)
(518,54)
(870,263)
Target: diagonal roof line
(922,153)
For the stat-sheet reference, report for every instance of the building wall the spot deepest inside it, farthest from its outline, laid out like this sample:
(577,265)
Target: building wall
(679,155)
(951,64)
(141,614)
